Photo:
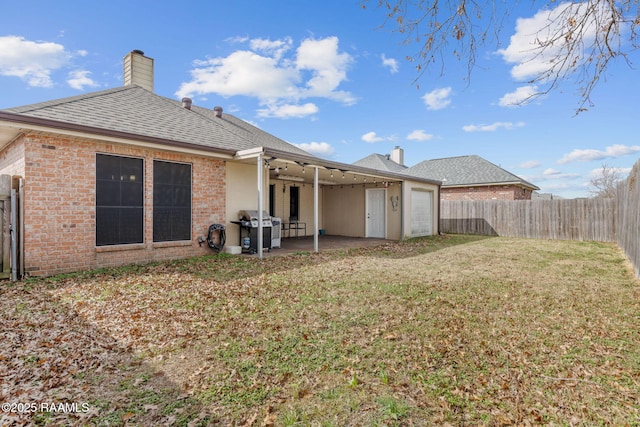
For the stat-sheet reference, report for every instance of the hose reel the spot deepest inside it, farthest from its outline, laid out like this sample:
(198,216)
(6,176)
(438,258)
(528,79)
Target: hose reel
(217,236)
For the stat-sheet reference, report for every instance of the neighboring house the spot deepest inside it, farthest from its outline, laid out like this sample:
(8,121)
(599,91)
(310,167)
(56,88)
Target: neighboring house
(463,178)
(473,178)
(124,175)
(393,162)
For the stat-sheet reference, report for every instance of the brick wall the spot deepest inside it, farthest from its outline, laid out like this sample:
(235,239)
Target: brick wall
(12,158)
(60,205)
(487,192)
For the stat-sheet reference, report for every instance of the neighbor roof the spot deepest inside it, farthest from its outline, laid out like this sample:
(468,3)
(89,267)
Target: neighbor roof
(465,171)
(137,111)
(380,162)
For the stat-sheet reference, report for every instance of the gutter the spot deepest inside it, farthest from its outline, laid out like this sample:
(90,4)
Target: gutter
(493,184)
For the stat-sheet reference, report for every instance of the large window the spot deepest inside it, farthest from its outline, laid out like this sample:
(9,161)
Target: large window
(171,201)
(119,200)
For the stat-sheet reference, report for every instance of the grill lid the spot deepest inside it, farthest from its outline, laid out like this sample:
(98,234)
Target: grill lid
(253,215)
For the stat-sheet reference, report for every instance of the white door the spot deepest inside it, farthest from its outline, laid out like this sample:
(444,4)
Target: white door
(421,213)
(376,221)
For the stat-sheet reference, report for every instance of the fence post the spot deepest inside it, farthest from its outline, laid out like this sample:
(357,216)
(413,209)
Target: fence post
(5,247)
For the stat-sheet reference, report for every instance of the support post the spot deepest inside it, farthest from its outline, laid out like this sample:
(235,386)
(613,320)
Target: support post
(315,209)
(260,228)
(14,230)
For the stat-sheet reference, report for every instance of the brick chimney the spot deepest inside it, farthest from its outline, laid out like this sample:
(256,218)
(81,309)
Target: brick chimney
(138,70)
(397,155)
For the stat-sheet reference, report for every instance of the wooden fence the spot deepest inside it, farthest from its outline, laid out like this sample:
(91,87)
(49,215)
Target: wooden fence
(604,220)
(575,219)
(628,218)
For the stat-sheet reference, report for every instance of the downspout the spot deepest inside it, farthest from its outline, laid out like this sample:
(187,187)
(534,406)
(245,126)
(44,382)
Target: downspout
(315,209)
(260,228)
(438,233)
(402,187)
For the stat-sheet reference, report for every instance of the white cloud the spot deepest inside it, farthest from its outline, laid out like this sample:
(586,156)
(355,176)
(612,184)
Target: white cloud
(521,96)
(437,99)
(242,73)
(530,61)
(530,164)
(390,63)
(237,39)
(617,150)
(279,81)
(31,61)
(328,67)
(492,127)
(419,135)
(551,174)
(371,137)
(276,48)
(79,79)
(317,148)
(621,172)
(288,110)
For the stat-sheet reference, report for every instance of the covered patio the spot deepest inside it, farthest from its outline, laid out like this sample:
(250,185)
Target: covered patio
(317,201)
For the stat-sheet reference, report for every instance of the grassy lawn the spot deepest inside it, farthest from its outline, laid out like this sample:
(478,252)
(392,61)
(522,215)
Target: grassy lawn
(449,330)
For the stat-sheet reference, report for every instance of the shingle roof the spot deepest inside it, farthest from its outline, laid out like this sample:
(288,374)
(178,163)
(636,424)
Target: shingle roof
(466,170)
(380,162)
(137,111)
(257,136)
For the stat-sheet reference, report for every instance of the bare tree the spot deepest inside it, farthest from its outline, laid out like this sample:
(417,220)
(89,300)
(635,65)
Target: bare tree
(579,38)
(605,183)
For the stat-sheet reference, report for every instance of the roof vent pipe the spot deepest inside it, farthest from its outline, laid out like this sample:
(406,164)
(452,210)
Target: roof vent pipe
(218,111)
(186,103)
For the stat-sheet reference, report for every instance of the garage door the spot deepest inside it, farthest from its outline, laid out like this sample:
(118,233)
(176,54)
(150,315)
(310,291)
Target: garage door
(421,213)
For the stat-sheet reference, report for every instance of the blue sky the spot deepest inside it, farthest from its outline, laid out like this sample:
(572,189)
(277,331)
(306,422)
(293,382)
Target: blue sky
(324,76)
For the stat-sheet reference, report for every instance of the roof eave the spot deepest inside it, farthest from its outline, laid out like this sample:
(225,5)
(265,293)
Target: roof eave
(42,124)
(328,164)
(491,184)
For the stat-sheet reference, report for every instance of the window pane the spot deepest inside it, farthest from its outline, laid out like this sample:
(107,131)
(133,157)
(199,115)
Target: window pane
(161,224)
(131,225)
(131,170)
(119,200)
(181,224)
(162,194)
(131,193)
(182,197)
(107,193)
(107,224)
(294,203)
(171,201)
(182,175)
(162,172)
(108,167)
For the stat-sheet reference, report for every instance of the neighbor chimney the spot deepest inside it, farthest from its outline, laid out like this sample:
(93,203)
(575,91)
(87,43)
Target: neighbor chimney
(138,70)
(397,155)
(218,111)
(186,103)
